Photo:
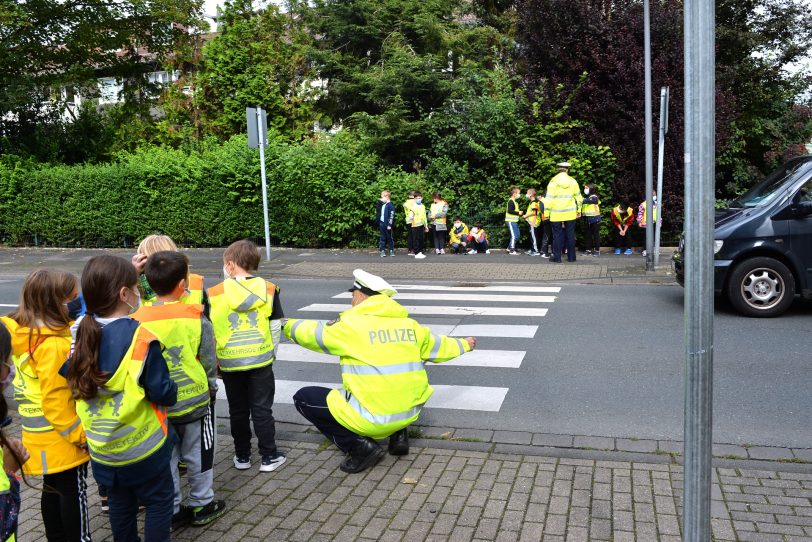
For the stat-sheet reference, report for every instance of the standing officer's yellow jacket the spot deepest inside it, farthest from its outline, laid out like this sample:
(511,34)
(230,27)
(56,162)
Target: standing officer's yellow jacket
(382,353)
(51,429)
(563,200)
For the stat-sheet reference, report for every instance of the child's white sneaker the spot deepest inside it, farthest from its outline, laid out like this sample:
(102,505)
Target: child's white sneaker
(270,462)
(419,256)
(242,463)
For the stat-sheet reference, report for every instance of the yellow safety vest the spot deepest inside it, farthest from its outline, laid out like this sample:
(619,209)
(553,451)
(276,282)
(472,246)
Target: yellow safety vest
(510,217)
(419,215)
(563,198)
(194,292)
(5,489)
(177,325)
(407,209)
(240,316)
(533,218)
(438,208)
(622,219)
(381,352)
(591,209)
(28,394)
(645,215)
(121,425)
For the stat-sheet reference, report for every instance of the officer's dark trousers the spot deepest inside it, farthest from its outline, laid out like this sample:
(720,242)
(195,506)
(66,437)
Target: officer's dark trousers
(563,237)
(311,402)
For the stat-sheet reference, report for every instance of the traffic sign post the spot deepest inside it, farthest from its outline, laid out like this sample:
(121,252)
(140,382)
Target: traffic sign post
(658,215)
(258,138)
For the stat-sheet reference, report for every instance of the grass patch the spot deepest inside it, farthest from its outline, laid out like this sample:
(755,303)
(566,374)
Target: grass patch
(794,460)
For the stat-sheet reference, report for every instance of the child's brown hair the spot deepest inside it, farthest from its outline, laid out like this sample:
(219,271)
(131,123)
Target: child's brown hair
(244,253)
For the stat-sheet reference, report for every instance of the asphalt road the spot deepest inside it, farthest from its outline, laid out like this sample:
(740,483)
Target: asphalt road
(605,360)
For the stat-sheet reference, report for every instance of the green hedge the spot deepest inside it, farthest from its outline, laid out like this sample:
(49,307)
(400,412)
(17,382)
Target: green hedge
(321,194)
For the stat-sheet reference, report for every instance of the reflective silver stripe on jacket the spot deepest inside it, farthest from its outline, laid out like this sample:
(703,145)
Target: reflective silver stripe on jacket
(435,351)
(105,433)
(130,454)
(382,418)
(461,345)
(197,400)
(37,424)
(319,335)
(248,361)
(378,370)
(73,426)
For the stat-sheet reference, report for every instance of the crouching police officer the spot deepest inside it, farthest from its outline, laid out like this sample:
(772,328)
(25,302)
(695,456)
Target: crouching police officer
(382,352)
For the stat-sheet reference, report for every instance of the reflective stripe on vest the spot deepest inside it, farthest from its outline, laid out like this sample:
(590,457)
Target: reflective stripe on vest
(28,394)
(243,334)
(382,418)
(178,327)
(395,369)
(419,215)
(438,208)
(121,425)
(509,217)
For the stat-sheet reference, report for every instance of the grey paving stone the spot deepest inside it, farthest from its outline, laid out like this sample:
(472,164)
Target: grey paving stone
(803,453)
(594,443)
(670,446)
(550,439)
(720,450)
(512,437)
(769,453)
(631,445)
(480,435)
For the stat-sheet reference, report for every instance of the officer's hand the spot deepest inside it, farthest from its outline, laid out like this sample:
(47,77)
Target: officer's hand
(471,342)
(139,261)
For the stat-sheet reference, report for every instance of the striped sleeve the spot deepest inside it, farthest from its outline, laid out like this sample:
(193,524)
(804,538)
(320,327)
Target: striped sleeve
(439,348)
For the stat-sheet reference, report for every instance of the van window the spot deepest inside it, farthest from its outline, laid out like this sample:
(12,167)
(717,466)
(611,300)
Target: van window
(766,190)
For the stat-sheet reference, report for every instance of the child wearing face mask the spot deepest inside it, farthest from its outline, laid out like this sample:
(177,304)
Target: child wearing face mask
(51,430)
(246,314)
(478,241)
(419,225)
(458,236)
(14,455)
(591,211)
(120,381)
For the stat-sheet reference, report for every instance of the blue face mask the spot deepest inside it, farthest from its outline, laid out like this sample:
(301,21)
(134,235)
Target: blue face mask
(418,201)
(76,307)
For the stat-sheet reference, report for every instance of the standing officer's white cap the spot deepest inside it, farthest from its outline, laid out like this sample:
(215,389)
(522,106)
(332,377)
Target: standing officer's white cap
(369,283)
(564,164)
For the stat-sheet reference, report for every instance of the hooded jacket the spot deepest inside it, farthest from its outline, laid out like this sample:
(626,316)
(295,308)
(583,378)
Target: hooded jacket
(563,199)
(57,449)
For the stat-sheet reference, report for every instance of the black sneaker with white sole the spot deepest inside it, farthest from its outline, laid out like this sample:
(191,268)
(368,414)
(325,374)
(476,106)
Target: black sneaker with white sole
(242,463)
(272,462)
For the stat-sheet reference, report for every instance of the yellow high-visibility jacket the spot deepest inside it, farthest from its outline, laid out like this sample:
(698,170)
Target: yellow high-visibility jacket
(382,352)
(563,200)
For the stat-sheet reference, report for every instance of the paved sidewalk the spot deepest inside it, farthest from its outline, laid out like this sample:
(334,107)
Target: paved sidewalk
(329,263)
(450,493)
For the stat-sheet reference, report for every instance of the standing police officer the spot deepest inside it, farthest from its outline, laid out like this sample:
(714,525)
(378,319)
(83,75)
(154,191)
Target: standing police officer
(382,352)
(563,200)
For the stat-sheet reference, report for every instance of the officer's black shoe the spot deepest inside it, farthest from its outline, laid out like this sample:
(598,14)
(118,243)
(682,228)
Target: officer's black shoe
(399,443)
(364,454)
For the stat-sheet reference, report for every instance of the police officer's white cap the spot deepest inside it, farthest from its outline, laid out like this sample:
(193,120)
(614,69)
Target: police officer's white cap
(564,164)
(368,281)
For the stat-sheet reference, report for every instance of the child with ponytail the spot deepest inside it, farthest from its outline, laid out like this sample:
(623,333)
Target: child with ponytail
(51,430)
(14,453)
(122,387)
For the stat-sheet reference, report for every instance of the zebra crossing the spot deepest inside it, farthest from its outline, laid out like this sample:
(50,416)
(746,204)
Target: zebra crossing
(528,303)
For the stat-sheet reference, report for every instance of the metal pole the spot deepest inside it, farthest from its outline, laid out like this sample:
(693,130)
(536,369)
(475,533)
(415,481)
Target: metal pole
(699,221)
(657,218)
(262,140)
(649,152)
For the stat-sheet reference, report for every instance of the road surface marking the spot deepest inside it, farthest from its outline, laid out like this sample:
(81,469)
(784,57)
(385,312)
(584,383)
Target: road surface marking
(523,289)
(509,359)
(482,398)
(7,305)
(467,297)
(441,310)
(495,330)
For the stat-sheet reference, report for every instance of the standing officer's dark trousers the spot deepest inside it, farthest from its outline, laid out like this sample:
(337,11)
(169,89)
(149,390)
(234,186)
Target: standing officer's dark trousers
(311,402)
(563,237)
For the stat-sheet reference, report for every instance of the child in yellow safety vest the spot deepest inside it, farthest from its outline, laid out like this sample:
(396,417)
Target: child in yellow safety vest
(437,214)
(591,211)
(246,316)
(188,340)
(459,236)
(478,241)
(533,218)
(420,227)
(121,383)
(51,430)
(14,455)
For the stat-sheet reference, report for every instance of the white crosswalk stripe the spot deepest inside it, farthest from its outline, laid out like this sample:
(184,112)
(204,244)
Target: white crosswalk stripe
(453,302)
(488,399)
(439,310)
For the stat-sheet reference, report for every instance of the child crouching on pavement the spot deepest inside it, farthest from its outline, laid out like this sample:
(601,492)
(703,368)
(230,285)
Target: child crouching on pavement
(188,341)
(458,236)
(478,240)
(246,314)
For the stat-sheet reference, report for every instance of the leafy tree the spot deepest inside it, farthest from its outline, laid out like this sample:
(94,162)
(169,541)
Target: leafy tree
(258,59)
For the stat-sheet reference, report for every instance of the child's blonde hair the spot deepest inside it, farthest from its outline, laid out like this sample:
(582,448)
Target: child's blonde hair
(156,243)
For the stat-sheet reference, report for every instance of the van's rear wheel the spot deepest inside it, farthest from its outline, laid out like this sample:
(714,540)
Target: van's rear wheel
(761,287)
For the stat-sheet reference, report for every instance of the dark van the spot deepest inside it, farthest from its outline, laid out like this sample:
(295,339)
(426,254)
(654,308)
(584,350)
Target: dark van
(763,243)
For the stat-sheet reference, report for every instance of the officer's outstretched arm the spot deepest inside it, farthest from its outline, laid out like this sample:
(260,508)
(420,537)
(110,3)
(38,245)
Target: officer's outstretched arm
(439,348)
(317,335)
